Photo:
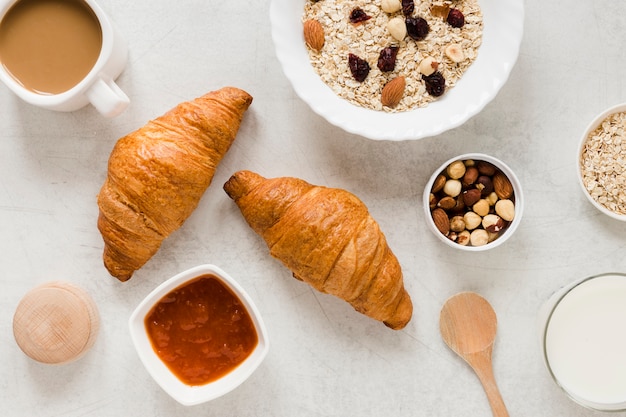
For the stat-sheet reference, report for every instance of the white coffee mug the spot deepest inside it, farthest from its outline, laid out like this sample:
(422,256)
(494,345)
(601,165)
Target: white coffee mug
(97,87)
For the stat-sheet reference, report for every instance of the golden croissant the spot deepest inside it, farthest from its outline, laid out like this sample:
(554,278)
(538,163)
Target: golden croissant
(157,175)
(328,239)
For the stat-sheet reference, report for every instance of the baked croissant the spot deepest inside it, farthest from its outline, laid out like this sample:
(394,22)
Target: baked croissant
(328,239)
(157,175)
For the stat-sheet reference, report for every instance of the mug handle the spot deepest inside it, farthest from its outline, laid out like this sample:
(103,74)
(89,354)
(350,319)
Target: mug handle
(107,97)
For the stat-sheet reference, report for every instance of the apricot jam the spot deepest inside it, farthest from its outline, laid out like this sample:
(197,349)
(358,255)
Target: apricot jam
(201,330)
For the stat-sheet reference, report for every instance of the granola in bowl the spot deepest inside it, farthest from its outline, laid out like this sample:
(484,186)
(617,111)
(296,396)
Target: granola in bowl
(368,46)
(502,34)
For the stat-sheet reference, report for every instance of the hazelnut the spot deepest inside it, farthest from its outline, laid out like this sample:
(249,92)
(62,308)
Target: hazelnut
(492,236)
(481,207)
(485,185)
(492,198)
(439,183)
(447,203)
(428,65)
(485,168)
(455,52)
(457,224)
(479,237)
(452,187)
(492,223)
(463,238)
(505,209)
(470,177)
(456,170)
(397,28)
(472,220)
(442,223)
(470,197)
(390,6)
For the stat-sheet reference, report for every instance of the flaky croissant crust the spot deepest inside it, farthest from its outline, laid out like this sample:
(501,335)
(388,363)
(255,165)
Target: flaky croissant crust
(328,239)
(157,175)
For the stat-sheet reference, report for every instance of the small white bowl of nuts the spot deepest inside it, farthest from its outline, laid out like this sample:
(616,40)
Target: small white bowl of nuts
(473,202)
(601,162)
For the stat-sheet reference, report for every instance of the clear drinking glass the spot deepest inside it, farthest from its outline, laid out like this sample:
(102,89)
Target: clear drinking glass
(583,340)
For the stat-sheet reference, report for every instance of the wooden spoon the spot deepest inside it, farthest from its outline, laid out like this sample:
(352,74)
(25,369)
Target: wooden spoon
(468,326)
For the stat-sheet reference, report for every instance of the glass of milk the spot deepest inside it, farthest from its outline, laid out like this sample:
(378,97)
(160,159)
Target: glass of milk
(583,333)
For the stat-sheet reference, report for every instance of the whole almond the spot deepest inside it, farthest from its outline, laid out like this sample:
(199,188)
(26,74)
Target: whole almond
(447,203)
(442,222)
(502,186)
(440,181)
(393,91)
(314,34)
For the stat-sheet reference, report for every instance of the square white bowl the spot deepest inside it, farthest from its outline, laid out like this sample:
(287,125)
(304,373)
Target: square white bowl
(181,392)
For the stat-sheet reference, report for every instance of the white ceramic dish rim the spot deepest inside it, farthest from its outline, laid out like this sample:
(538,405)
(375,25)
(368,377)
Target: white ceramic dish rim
(590,128)
(517,190)
(502,35)
(185,394)
(544,318)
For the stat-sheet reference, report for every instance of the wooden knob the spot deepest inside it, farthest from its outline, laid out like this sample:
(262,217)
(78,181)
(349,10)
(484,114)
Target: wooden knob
(55,323)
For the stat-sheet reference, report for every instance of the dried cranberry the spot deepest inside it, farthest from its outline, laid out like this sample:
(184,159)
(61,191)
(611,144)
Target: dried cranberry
(435,83)
(408,7)
(358,67)
(358,15)
(456,18)
(387,58)
(417,28)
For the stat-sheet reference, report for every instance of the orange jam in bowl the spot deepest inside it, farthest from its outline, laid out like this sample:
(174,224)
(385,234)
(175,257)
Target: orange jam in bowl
(199,335)
(201,330)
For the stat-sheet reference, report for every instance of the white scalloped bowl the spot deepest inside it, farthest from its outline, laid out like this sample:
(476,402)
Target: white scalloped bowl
(502,34)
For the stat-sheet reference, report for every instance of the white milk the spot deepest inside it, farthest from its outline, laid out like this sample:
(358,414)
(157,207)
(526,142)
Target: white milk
(585,342)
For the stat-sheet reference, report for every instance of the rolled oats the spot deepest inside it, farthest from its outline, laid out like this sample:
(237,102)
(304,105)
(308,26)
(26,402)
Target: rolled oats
(603,163)
(368,38)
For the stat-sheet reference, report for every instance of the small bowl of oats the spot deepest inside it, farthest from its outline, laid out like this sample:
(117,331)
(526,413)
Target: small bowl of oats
(397,69)
(602,162)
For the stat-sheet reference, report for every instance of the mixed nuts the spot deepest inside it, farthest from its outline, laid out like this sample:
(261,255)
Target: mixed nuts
(472,202)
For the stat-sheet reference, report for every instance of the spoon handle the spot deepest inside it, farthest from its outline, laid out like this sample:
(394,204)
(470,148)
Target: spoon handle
(482,365)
